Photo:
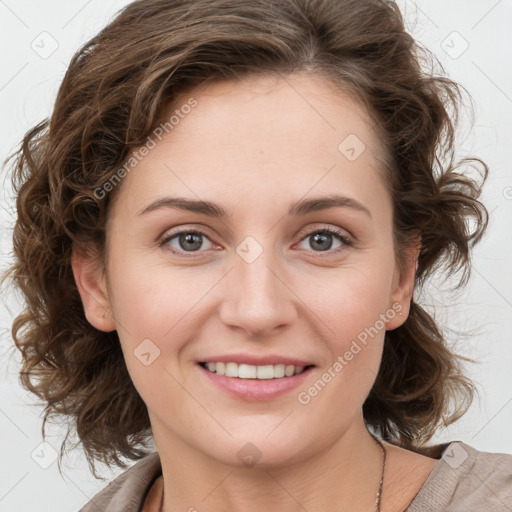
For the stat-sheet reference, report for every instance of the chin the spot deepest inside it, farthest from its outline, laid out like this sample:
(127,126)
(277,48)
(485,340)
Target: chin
(261,449)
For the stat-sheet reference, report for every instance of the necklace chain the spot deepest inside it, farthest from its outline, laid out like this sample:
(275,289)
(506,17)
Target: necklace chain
(378,498)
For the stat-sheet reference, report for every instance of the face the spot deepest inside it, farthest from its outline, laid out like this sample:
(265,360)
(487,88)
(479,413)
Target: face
(280,279)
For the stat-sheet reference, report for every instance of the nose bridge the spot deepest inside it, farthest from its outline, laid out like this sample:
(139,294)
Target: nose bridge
(258,300)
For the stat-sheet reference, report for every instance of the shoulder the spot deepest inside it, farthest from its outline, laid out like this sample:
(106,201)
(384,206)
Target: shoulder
(466,479)
(128,491)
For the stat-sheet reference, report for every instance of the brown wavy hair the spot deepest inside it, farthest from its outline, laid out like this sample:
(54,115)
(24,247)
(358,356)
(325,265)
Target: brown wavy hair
(111,99)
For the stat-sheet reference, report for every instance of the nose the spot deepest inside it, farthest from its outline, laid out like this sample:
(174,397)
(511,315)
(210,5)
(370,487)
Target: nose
(258,300)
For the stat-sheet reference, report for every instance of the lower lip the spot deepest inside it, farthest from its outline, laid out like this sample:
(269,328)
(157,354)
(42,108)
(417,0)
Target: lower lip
(254,390)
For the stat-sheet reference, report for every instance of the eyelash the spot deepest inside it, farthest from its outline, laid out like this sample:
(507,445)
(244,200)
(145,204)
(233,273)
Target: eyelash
(342,237)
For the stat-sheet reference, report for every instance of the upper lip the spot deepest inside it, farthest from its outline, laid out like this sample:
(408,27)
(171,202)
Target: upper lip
(255,360)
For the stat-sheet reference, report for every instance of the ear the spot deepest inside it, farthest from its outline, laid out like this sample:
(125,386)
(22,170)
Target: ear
(403,287)
(92,285)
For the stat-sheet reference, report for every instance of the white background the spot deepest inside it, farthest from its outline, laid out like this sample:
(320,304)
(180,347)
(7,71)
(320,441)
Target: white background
(28,85)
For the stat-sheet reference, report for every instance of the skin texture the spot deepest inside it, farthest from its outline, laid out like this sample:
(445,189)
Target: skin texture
(255,147)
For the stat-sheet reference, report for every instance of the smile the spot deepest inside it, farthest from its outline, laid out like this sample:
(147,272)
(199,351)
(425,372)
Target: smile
(248,371)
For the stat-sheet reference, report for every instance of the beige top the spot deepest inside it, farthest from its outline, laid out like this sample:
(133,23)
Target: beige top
(463,480)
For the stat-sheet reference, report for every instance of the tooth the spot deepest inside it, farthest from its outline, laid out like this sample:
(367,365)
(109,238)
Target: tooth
(288,371)
(247,371)
(231,370)
(265,372)
(279,371)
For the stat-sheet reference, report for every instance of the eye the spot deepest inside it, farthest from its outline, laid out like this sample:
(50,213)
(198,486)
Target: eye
(193,240)
(321,240)
(187,240)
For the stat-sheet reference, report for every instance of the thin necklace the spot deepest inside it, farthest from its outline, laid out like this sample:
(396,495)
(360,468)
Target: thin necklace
(378,498)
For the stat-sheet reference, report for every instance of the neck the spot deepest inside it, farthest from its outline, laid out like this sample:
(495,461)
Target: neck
(344,476)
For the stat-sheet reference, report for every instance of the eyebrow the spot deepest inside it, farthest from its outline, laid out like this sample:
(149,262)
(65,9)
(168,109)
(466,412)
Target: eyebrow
(299,208)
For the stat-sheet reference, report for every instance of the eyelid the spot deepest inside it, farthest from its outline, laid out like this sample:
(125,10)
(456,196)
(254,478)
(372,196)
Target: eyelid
(349,238)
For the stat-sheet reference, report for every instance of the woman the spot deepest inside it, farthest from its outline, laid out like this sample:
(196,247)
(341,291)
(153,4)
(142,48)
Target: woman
(219,235)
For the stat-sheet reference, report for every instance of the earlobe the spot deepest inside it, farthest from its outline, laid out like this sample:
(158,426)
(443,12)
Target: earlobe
(91,283)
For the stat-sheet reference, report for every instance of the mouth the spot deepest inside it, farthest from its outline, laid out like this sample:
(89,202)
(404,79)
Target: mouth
(249,371)
(255,382)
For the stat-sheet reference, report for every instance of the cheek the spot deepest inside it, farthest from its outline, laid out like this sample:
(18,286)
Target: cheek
(153,318)
(354,310)
(159,311)
(150,298)
(351,300)
(353,305)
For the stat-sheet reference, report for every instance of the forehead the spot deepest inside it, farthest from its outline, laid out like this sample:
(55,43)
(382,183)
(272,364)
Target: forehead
(266,110)
(260,136)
